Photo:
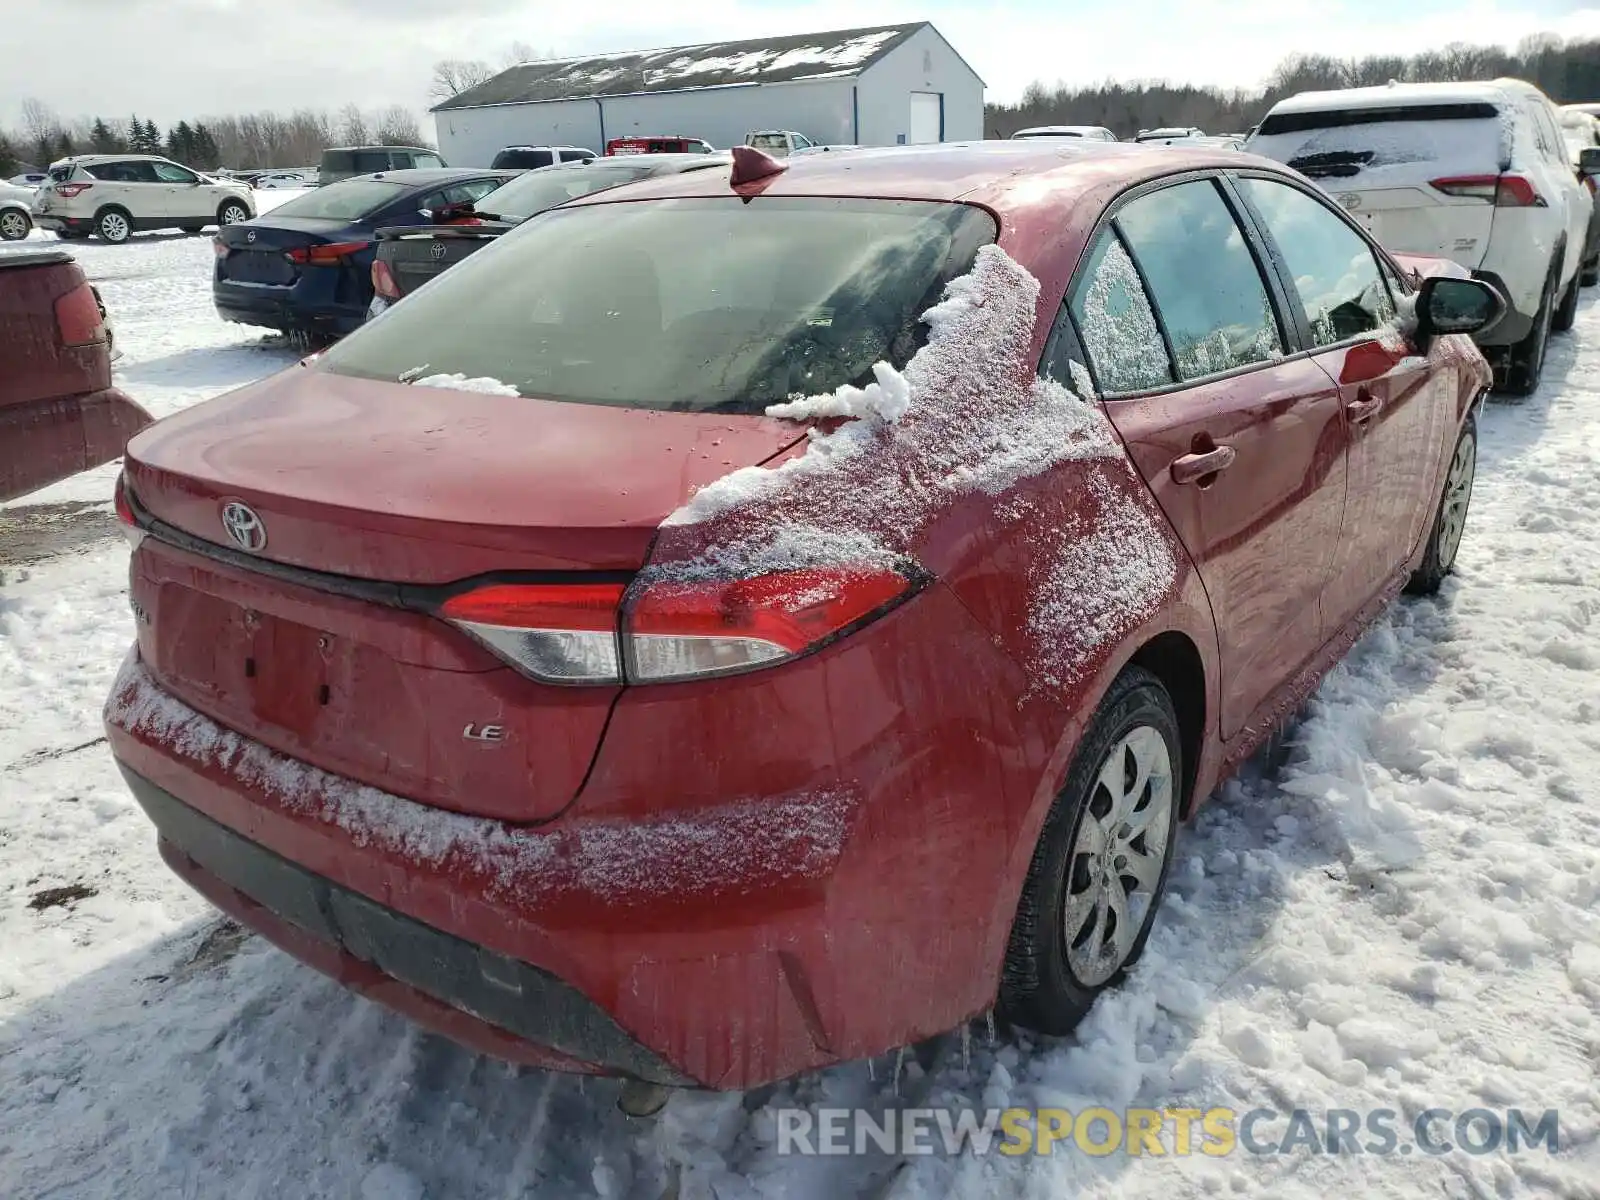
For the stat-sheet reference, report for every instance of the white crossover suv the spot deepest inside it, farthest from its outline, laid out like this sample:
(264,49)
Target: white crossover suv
(1475,172)
(115,195)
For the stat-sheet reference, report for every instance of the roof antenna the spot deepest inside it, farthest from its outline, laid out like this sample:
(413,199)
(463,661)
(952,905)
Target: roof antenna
(751,165)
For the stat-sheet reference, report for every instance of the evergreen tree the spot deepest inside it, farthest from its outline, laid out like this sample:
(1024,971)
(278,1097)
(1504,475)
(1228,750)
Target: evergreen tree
(8,157)
(64,144)
(42,153)
(135,135)
(102,140)
(152,138)
(206,155)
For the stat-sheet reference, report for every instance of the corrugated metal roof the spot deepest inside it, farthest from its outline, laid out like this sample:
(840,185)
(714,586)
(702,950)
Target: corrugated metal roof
(715,64)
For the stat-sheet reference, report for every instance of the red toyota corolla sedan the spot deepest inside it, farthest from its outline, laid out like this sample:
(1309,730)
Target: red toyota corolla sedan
(752,620)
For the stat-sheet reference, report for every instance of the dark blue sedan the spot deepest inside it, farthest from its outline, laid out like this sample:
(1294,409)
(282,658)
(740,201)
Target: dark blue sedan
(306,266)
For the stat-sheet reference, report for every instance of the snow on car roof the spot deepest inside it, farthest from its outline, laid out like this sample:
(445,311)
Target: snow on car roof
(1402,94)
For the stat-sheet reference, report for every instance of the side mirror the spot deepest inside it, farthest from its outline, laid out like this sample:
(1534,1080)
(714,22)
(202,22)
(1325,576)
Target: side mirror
(1447,305)
(1589,160)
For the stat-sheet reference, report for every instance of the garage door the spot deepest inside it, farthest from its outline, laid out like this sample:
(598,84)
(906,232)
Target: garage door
(927,117)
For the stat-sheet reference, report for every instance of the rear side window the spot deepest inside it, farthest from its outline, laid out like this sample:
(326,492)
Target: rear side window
(366,162)
(708,304)
(575,155)
(1116,322)
(1334,270)
(426,161)
(339,162)
(1437,139)
(347,200)
(1203,279)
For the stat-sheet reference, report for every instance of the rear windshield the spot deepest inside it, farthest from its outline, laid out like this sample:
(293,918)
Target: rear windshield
(531,194)
(769,141)
(708,304)
(338,160)
(347,200)
(1344,142)
(521,160)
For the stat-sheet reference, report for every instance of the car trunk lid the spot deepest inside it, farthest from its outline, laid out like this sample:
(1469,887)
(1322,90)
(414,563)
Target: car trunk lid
(265,254)
(415,254)
(372,496)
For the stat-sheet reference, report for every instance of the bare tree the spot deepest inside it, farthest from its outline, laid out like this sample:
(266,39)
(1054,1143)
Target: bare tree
(39,121)
(352,126)
(452,76)
(397,126)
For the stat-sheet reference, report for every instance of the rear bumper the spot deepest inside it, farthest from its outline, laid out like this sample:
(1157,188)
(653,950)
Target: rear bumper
(55,222)
(282,309)
(488,1001)
(43,441)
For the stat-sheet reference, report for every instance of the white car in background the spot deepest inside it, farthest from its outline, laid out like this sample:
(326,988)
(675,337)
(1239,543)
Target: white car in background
(30,179)
(116,195)
(1475,172)
(15,219)
(284,179)
(1093,133)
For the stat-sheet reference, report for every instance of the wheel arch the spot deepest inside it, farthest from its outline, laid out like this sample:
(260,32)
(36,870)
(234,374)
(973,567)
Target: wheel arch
(1174,659)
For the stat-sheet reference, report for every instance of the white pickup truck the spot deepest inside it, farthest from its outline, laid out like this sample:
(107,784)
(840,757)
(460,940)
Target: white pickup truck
(780,143)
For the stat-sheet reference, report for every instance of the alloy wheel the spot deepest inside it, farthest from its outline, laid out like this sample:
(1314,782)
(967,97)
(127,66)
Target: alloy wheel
(1115,867)
(1457,497)
(13,226)
(233,215)
(114,227)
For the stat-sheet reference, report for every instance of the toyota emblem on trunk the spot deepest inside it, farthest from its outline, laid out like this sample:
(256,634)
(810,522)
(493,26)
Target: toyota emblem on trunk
(251,236)
(437,250)
(243,526)
(1351,201)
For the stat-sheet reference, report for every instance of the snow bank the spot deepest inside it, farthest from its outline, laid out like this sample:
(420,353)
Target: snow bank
(715,850)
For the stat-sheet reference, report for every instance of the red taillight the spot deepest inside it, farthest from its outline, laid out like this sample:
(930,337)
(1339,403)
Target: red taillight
(130,523)
(1503,191)
(219,247)
(572,633)
(78,320)
(383,280)
(325,254)
(681,630)
(69,190)
(1588,182)
(561,633)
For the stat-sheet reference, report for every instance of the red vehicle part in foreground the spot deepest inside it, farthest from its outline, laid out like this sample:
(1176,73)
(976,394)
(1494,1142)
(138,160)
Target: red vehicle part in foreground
(445,690)
(59,413)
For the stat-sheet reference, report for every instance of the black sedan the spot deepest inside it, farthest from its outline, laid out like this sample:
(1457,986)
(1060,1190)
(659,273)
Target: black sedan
(408,256)
(306,266)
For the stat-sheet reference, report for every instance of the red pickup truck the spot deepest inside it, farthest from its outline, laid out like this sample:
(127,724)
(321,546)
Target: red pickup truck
(59,413)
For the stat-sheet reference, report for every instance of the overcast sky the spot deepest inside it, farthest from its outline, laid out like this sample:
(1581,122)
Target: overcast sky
(167,59)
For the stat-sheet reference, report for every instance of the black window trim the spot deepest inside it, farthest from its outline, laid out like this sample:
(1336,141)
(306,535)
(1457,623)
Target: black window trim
(1308,344)
(1149,299)
(1293,324)
(1276,298)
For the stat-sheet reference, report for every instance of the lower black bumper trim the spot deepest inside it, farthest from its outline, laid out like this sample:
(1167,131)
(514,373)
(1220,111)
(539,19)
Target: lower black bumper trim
(505,992)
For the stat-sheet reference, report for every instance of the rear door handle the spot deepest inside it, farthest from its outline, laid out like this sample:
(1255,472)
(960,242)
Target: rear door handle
(1190,467)
(1363,408)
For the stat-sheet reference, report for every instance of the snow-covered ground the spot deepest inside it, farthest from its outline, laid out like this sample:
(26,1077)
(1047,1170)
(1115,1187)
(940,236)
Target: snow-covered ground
(1404,917)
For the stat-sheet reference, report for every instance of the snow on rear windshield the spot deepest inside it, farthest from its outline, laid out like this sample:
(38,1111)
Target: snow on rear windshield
(348,200)
(708,304)
(1349,142)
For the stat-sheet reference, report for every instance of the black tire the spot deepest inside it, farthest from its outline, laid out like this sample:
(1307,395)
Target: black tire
(191,228)
(114,225)
(1589,274)
(231,212)
(1040,988)
(1525,360)
(71,235)
(1450,518)
(15,224)
(1567,312)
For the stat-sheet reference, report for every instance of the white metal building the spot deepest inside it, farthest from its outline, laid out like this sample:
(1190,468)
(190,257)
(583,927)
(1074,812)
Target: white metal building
(873,87)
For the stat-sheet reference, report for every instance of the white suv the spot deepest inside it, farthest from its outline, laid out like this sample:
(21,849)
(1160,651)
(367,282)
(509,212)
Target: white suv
(1475,172)
(115,195)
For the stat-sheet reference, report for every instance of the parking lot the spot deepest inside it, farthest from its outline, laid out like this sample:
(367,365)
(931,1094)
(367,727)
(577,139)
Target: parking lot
(1403,916)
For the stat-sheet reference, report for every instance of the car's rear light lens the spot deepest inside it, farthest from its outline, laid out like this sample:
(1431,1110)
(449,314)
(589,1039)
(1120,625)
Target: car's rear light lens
(383,280)
(78,319)
(129,523)
(219,247)
(685,630)
(1503,191)
(326,253)
(69,190)
(561,633)
(572,633)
